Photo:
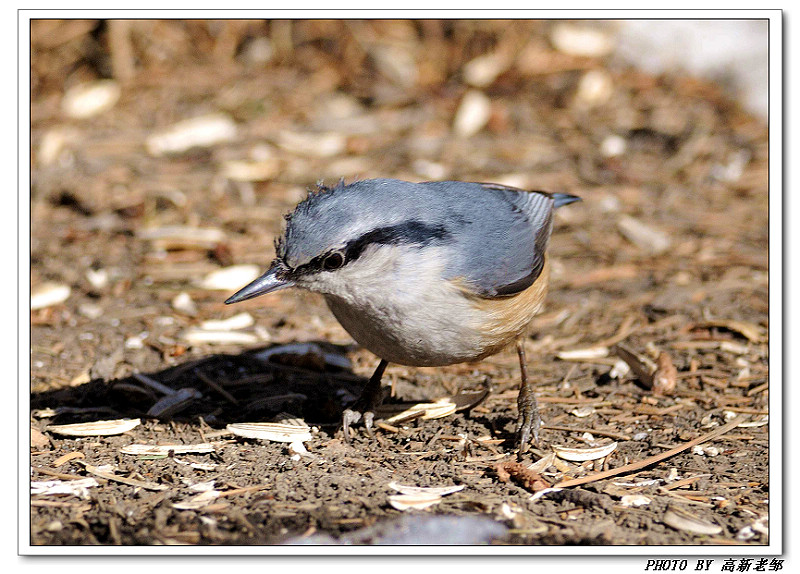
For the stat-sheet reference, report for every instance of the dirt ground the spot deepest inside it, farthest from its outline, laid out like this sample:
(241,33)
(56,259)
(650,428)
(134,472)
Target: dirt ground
(664,262)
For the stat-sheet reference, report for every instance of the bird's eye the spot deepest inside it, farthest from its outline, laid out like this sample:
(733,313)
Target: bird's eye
(333,261)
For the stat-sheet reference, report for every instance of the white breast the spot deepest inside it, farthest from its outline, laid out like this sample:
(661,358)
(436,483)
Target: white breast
(395,303)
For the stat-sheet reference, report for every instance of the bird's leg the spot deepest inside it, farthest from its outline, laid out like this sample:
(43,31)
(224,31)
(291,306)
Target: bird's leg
(370,399)
(528,419)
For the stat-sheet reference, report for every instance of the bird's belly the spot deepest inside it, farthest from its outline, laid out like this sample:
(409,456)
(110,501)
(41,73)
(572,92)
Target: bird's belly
(420,334)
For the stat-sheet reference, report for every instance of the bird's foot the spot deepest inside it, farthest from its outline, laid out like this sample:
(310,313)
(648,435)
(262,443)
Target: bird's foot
(366,405)
(528,424)
(528,421)
(353,416)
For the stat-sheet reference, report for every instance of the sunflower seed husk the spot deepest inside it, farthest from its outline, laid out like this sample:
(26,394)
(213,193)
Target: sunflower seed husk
(165,449)
(414,501)
(49,294)
(238,321)
(436,410)
(584,454)
(203,131)
(432,490)
(635,500)
(96,428)
(583,354)
(679,519)
(91,98)
(230,278)
(276,432)
(79,488)
(199,336)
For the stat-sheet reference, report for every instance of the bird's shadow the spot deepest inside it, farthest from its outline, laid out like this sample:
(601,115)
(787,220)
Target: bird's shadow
(220,389)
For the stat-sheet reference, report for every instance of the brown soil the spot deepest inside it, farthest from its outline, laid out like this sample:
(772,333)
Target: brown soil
(694,169)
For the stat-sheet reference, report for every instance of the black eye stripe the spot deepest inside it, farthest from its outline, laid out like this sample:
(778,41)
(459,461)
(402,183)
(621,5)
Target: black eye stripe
(410,233)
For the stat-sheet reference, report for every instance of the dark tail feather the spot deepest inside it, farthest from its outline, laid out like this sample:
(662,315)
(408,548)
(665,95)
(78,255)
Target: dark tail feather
(564,199)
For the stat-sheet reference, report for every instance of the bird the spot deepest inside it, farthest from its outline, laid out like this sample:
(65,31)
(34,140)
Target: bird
(422,274)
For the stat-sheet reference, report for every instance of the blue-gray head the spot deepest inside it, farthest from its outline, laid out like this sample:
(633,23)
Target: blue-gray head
(374,230)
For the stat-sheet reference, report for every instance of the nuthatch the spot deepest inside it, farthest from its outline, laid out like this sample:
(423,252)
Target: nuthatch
(422,274)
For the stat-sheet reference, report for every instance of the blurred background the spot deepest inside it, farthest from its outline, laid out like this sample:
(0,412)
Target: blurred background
(165,152)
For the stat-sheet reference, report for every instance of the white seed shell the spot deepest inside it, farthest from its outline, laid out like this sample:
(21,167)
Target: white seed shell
(49,294)
(583,354)
(239,321)
(584,454)
(414,501)
(203,131)
(681,520)
(230,278)
(96,428)
(89,99)
(472,114)
(164,449)
(276,432)
(432,490)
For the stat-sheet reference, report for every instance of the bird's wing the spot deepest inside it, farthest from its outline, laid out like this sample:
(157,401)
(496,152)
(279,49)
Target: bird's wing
(505,246)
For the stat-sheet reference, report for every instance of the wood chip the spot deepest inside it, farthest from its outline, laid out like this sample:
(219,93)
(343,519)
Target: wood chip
(121,479)
(38,439)
(67,457)
(752,332)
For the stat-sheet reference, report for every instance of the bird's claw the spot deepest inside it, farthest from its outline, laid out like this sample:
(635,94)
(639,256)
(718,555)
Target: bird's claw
(353,416)
(370,399)
(528,424)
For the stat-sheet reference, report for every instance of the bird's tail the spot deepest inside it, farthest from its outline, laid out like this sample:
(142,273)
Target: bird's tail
(564,199)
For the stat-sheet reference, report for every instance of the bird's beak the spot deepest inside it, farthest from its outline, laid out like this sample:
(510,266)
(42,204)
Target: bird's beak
(272,280)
